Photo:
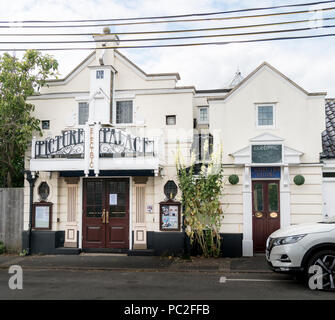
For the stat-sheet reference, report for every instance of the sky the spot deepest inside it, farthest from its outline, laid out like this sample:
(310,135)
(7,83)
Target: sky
(309,62)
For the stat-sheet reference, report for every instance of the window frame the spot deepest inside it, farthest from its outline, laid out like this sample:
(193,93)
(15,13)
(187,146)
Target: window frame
(199,112)
(270,126)
(170,116)
(99,74)
(88,113)
(115,113)
(45,121)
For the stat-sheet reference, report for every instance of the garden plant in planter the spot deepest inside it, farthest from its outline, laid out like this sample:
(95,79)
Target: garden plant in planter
(201,192)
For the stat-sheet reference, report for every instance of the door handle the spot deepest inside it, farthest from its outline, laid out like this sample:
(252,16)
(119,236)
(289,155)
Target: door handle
(103,216)
(107,216)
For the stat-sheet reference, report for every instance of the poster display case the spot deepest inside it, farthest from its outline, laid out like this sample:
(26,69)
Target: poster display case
(42,215)
(169,215)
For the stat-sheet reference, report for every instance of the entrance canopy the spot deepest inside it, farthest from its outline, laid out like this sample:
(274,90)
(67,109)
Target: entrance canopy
(267,149)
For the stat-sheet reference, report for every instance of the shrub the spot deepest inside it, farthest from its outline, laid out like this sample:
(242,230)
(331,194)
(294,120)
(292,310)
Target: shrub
(233,179)
(2,247)
(299,180)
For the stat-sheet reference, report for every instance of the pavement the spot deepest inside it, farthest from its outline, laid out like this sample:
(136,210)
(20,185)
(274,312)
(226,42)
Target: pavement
(121,262)
(121,277)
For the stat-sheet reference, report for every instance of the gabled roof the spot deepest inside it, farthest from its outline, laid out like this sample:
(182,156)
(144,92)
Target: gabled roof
(147,74)
(82,64)
(328,136)
(87,61)
(265,64)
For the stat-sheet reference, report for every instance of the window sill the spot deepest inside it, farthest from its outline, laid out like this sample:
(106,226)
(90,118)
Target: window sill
(266,127)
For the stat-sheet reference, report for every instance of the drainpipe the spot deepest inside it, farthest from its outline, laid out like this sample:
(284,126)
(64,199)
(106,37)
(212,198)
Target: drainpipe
(31,178)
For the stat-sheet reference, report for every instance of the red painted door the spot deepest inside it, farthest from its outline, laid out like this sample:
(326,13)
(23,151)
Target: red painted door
(117,213)
(106,213)
(265,211)
(94,228)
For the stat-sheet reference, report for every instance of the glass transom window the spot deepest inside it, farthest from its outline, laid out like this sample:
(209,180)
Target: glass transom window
(265,116)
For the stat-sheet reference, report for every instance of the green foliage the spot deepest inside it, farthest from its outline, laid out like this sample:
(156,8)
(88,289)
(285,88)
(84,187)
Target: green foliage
(233,179)
(23,253)
(299,180)
(201,202)
(2,247)
(19,79)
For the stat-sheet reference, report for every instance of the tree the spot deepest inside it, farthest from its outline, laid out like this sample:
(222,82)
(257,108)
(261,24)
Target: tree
(201,194)
(19,79)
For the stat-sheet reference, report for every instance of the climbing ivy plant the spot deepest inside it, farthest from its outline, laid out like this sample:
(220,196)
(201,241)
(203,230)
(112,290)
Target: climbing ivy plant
(201,194)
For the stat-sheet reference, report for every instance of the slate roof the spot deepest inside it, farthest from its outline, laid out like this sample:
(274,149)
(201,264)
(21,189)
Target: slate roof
(328,136)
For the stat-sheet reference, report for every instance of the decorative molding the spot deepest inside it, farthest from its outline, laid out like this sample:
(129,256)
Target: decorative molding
(140,180)
(72,180)
(266,138)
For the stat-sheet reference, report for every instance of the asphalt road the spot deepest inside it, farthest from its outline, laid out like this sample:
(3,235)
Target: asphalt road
(65,284)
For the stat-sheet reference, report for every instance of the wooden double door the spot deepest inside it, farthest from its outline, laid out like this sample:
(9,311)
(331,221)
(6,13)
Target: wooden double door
(265,211)
(106,213)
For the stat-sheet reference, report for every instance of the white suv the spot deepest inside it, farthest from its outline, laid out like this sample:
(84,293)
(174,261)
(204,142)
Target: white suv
(297,248)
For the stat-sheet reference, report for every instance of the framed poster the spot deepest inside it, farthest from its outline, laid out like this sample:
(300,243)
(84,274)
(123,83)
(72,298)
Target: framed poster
(170,216)
(42,215)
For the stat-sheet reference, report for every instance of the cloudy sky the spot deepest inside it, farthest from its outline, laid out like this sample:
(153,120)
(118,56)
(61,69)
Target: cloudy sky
(309,62)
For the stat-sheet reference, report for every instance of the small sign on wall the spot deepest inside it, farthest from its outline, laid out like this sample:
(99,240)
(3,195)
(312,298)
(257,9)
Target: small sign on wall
(266,153)
(149,208)
(265,172)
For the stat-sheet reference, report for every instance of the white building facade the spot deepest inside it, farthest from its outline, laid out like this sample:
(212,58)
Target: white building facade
(105,166)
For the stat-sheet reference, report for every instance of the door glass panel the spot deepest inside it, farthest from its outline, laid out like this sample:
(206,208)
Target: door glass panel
(94,199)
(258,197)
(117,198)
(273,197)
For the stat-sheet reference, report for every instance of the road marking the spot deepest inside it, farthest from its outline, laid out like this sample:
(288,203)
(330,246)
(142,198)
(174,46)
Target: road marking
(224,280)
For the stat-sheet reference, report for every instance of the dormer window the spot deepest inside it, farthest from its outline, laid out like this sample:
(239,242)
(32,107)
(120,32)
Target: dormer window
(100,74)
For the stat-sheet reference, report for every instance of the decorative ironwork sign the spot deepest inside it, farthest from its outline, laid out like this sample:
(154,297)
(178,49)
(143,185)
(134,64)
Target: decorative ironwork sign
(266,153)
(116,143)
(68,145)
(265,172)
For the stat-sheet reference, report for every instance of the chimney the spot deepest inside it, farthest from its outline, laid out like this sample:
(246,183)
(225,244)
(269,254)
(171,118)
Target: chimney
(105,39)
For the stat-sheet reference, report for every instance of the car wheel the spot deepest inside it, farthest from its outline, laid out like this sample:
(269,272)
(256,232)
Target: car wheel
(325,261)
